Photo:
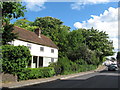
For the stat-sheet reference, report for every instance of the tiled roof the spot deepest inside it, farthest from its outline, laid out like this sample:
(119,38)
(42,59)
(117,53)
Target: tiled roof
(29,36)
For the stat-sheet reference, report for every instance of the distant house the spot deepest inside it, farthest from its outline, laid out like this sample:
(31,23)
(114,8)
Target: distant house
(42,48)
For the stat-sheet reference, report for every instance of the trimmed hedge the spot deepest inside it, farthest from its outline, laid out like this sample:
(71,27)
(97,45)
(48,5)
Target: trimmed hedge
(14,58)
(34,73)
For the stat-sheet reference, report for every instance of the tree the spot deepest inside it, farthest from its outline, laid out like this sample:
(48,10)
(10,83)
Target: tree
(55,30)
(75,40)
(10,10)
(99,42)
(24,23)
(7,35)
(48,25)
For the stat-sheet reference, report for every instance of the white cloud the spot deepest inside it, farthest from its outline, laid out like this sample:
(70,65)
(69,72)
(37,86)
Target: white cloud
(78,25)
(108,22)
(81,3)
(35,5)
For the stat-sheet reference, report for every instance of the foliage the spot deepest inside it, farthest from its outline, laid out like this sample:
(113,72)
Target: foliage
(24,23)
(81,62)
(57,67)
(8,35)
(15,58)
(75,39)
(12,10)
(47,24)
(98,41)
(53,28)
(34,73)
(65,66)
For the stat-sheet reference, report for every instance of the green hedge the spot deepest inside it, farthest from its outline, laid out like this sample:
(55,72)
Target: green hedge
(14,58)
(34,73)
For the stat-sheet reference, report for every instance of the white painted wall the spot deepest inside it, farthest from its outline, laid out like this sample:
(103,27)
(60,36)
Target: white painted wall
(47,60)
(35,51)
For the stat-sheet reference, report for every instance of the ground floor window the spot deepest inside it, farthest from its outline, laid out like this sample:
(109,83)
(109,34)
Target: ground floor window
(52,60)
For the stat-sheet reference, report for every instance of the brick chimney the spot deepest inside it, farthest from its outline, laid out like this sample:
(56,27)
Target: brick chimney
(38,32)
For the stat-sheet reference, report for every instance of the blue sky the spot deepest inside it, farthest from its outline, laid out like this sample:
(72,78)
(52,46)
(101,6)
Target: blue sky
(64,12)
(100,14)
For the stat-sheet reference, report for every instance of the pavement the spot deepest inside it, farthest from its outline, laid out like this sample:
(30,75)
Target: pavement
(43,80)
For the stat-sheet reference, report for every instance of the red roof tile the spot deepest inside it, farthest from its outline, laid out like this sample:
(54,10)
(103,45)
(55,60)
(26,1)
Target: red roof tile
(29,36)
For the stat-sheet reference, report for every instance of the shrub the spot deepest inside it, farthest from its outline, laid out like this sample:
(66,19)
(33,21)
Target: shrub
(81,62)
(65,66)
(15,58)
(83,68)
(34,73)
(57,67)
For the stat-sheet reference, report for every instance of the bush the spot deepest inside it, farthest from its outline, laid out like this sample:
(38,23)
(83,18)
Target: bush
(15,58)
(81,62)
(83,68)
(34,73)
(57,67)
(65,66)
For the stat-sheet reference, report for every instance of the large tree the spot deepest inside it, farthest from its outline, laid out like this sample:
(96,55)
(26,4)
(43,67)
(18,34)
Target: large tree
(26,24)
(77,50)
(10,10)
(99,42)
(47,24)
(54,29)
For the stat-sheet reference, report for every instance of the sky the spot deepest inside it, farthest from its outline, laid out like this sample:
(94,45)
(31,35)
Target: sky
(99,14)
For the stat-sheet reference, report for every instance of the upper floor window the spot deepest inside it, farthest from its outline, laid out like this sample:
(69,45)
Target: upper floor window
(52,50)
(29,45)
(41,48)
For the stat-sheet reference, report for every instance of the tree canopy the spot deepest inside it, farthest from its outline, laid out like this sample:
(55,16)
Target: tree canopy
(26,24)
(10,10)
(55,30)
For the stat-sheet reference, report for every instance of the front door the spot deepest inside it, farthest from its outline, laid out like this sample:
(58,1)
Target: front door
(34,61)
(40,61)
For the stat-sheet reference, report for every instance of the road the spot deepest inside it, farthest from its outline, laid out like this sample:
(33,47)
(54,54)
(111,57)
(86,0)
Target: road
(103,79)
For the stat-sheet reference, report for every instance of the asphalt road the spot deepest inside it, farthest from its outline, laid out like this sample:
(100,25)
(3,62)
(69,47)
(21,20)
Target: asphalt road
(103,79)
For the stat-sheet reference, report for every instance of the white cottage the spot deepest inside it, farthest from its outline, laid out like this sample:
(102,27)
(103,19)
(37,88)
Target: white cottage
(42,49)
